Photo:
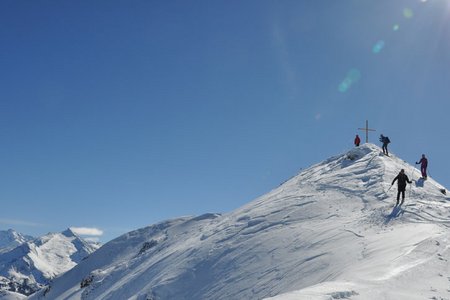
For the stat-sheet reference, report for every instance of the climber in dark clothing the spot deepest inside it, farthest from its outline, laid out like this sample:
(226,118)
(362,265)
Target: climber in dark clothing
(401,184)
(385,140)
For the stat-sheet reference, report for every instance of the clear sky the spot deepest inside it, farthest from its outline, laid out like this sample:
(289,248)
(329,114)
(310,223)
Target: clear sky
(115,115)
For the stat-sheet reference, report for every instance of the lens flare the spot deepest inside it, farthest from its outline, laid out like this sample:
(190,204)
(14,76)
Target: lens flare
(378,47)
(396,27)
(352,77)
(408,13)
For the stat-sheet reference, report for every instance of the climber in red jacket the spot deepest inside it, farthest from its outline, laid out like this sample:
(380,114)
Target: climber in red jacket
(357,141)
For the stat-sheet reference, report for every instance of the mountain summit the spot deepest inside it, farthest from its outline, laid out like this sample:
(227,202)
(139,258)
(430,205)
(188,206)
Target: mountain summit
(331,232)
(10,239)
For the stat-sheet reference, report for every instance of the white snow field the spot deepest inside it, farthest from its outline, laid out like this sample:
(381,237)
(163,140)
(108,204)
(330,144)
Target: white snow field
(331,232)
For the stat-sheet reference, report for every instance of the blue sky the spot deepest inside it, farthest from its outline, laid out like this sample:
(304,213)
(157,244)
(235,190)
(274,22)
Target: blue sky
(115,115)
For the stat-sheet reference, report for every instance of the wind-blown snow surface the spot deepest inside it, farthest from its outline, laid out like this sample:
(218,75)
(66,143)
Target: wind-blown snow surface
(331,232)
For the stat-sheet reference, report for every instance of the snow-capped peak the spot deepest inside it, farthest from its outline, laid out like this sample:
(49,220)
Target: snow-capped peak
(10,239)
(69,233)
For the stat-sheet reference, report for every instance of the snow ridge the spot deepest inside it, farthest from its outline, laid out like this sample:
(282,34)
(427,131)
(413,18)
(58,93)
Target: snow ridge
(331,232)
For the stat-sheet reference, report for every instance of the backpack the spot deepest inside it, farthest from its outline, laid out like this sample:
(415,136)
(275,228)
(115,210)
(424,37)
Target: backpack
(387,140)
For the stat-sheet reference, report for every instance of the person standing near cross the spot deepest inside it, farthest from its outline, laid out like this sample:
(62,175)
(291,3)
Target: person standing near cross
(385,140)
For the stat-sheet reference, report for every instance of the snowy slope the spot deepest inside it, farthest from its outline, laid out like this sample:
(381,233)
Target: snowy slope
(404,256)
(32,264)
(10,239)
(331,232)
(7,295)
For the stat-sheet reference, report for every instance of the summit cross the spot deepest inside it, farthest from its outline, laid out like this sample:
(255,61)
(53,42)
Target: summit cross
(367,129)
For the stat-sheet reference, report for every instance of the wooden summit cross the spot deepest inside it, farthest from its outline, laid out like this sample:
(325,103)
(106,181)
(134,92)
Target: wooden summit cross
(367,130)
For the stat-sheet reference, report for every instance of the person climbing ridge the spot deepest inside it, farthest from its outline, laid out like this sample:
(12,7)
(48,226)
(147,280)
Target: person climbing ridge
(401,179)
(385,140)
(357,141)
(423,166)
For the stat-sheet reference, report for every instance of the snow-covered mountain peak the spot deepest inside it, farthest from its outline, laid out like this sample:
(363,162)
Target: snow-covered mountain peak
(365,169)
(10,239)
(69,233)
(332,232)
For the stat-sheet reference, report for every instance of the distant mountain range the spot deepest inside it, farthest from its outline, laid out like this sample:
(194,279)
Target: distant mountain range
(27,264)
